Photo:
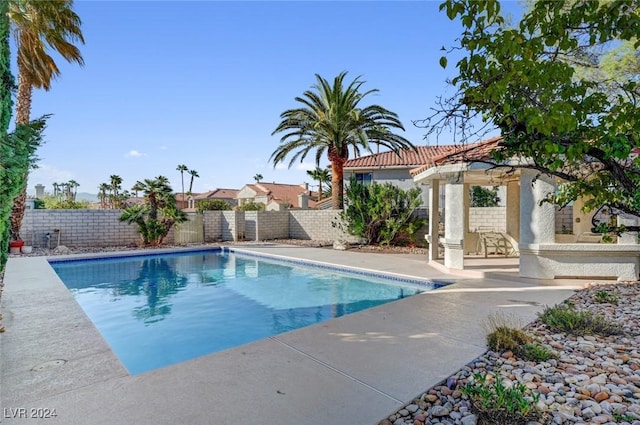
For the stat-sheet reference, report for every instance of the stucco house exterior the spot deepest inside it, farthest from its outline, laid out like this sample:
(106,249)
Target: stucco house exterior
(389,167)
(278,196)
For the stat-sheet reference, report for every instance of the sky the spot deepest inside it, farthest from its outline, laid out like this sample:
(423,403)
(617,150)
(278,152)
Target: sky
(203,83)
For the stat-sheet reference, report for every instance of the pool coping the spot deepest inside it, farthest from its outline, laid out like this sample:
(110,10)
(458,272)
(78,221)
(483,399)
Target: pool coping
(364,362)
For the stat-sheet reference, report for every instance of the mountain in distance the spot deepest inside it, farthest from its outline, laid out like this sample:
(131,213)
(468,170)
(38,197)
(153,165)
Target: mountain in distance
(84,196)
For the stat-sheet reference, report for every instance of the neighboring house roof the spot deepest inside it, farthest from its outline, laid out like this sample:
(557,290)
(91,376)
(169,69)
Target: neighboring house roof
(407,158)
(282,193)
(216,194)
(462,153)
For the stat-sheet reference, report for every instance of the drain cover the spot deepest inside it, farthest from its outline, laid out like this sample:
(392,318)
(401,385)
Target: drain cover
(48,365)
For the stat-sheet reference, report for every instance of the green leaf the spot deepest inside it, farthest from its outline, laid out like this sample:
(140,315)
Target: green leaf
(443,62)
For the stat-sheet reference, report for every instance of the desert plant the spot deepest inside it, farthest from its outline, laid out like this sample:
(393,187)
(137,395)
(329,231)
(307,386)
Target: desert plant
(212,205)
(534,353)
(495,403)
(505,338)
(604,296)
(379,212)
(564,318)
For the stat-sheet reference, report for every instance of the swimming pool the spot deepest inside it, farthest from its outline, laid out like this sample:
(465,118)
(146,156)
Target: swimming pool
(158,310)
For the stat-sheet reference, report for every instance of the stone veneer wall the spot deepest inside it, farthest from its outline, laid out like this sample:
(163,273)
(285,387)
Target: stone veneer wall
(103,227)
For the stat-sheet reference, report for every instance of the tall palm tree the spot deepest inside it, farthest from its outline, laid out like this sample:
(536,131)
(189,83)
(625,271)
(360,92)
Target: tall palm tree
(102,194)
(331,119)
(182,168)
(39,27)
(73,189)
(194,174)
(321,175)
(258,177)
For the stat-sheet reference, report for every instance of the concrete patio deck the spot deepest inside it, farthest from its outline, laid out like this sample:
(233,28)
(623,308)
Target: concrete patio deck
(355,369)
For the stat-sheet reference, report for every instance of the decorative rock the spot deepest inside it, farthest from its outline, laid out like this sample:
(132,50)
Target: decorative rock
(438,411)
(601,396)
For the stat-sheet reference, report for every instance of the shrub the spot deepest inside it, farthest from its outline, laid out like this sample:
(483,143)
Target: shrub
(507,339)
(56,203)
(564,318)
(495,403)
(604,296)
(380,212)
(535,353)
(252,206)
(212,205)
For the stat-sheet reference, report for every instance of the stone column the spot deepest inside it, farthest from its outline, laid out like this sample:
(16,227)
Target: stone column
(513,209)
(455,217)
(537,222)
(434,218)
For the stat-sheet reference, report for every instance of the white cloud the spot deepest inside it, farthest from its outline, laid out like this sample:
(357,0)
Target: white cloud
(134,154)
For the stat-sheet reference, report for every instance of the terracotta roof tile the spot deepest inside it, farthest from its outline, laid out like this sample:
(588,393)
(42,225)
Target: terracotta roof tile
(284,193)
(462,153)
(406,158)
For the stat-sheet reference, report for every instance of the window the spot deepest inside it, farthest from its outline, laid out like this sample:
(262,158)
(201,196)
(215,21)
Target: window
(364,178)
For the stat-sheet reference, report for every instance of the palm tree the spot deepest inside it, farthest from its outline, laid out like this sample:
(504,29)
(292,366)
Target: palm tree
(115,187)
(38,27)
(321,175)
(182,168)
(102,194)
(159,213)
(194,174)
(73,186)
(332,120)
(258,177)
(56,188)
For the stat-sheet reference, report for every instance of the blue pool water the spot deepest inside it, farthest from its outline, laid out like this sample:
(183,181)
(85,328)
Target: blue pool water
(158,310)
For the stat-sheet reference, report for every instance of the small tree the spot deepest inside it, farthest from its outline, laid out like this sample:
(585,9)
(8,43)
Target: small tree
(379,213)
(159,213)
(212,205)
(483,197)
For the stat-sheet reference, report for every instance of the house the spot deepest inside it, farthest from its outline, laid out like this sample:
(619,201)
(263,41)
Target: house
(278,196)
(389,167)
(226,195)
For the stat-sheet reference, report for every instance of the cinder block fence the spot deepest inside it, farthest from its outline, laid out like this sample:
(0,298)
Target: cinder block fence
(86,228)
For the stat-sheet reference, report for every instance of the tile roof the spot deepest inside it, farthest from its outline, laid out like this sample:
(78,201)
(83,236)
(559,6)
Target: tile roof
(462,153)
(406,158)
(283,193)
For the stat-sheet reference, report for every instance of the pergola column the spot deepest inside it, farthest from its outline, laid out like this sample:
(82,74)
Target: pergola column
(455,221)
(537,221)
(513,209)
(434,218)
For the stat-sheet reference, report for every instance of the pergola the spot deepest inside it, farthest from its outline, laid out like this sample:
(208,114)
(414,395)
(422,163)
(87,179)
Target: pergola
(529,221)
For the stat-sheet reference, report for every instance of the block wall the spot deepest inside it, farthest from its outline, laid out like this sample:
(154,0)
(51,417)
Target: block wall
(487,217)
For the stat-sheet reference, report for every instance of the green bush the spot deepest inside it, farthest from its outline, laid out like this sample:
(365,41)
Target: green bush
(604,296)
(56,203)
(534,353)
(379,213)
(251,206)
(212,205)
(494,403)
(564,318)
